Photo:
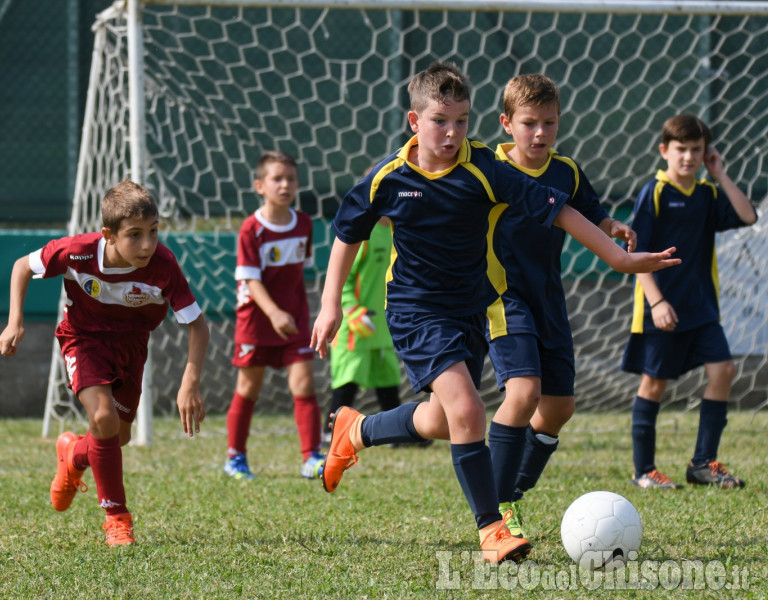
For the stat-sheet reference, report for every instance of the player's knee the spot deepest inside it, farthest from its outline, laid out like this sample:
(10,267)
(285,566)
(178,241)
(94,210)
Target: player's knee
(105,423)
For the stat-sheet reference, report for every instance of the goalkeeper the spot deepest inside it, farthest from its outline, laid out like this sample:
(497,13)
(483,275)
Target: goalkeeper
(362,354)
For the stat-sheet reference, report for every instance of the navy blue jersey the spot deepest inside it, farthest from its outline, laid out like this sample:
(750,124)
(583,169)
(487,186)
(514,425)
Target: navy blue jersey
(666,215)
(534,301)
(440,225)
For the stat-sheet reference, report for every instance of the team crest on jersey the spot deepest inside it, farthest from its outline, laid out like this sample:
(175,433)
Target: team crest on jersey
(136,297)
(274,254)
(92,287)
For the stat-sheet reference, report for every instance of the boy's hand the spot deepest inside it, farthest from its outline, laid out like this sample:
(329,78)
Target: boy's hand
(191,408)
(325,328)
(664,316)
(283,323)
(624,232)
(10,339)
(713,163)
(648,262)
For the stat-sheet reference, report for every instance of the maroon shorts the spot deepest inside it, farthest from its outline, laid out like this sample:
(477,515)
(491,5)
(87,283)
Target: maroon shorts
(277,357)
(119,363)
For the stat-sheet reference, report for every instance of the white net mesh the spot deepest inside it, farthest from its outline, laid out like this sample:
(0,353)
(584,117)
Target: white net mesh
(223,84)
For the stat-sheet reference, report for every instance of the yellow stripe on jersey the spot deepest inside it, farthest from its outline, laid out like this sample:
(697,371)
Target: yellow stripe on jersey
(497,319)
(381,174)
(638,311)
(496,273)
(575,169)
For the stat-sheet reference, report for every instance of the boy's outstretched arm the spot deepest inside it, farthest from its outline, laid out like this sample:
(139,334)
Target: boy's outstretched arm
(189,399)
(596,241)
(14,331)
(330,316)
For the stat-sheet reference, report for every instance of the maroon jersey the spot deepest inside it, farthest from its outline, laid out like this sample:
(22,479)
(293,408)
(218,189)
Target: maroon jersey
(114,300)
(275,255)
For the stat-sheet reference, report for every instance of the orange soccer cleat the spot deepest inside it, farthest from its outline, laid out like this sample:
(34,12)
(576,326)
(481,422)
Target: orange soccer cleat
(498,544)
(68,479)
(342,454)
(119,530)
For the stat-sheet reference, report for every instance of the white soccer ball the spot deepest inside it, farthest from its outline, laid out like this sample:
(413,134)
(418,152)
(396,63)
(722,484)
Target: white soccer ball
(600,530)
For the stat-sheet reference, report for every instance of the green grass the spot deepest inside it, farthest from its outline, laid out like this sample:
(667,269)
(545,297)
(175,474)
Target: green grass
(396,520)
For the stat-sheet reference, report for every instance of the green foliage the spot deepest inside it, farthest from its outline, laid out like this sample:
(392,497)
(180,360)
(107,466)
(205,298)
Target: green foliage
(380,535)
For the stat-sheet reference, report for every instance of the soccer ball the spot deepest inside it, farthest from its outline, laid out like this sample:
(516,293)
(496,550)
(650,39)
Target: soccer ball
(600,529)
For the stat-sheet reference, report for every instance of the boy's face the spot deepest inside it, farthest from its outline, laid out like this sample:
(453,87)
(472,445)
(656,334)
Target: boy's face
(442,129)
(278,185)
(534,130)
(684,159)
(134,243)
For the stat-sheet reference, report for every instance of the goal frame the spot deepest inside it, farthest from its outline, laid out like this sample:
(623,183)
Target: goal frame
(137,104)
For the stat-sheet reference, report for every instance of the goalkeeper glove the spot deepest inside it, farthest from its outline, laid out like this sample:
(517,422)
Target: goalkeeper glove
(360,323)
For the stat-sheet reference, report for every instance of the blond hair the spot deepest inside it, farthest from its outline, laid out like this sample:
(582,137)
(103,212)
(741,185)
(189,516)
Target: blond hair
(530,90)
(440,82)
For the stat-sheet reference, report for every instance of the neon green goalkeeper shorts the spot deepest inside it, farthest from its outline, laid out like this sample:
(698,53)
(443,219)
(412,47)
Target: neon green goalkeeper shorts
(369,369)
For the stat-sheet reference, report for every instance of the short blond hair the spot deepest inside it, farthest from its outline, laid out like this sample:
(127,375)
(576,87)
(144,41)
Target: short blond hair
(126,200)
(530,90)
(441,81)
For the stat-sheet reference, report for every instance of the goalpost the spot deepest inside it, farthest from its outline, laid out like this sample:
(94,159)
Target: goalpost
(185,95)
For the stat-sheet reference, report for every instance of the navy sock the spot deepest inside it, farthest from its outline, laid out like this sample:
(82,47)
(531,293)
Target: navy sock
(474,470)
(713,417)
(507,446)
(391,427)
(535,459)
(644,413)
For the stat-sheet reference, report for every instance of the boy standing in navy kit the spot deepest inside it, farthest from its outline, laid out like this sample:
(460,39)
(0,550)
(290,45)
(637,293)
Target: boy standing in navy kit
(531,346)
(676,319)
(119,284)
(272,314)
(438,190)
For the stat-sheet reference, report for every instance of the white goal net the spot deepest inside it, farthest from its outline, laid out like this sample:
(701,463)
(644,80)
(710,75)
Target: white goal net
(326,82)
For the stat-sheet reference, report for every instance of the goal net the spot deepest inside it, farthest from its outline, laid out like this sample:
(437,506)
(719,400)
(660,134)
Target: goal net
(326,82)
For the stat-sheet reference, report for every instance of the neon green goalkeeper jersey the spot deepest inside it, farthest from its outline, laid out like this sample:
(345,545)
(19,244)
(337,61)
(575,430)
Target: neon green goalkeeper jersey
(366,287)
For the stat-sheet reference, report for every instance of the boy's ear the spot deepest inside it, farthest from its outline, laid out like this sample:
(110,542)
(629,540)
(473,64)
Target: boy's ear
(505,122)
(413,120)
(258,186)
(107,234)
(663,151)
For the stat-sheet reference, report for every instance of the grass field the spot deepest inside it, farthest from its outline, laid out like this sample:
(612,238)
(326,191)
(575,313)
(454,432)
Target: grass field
(398,527)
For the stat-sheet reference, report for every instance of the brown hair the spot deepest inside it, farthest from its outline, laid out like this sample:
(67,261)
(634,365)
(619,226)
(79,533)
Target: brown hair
(530,90)
(441,82)
(126,200)
(685,128)
(273,156)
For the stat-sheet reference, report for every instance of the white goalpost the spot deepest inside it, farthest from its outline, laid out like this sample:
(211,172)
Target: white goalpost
(185,95)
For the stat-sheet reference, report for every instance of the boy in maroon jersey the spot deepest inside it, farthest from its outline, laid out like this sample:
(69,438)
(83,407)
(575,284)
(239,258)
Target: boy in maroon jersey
(272,326)
(119,283)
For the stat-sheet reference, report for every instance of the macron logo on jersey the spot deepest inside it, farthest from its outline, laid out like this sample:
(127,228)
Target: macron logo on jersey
(411,194)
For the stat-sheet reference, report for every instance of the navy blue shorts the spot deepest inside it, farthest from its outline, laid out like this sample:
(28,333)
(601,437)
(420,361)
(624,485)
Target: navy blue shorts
(667,355)
(428,344)
(521,355)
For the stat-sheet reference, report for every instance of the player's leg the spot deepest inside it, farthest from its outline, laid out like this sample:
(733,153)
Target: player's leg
(645,412)
(657,358)
(343,395)
(306,412)
(517,365)
(247,390)
(704,468)
(101,449)
(555,408)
